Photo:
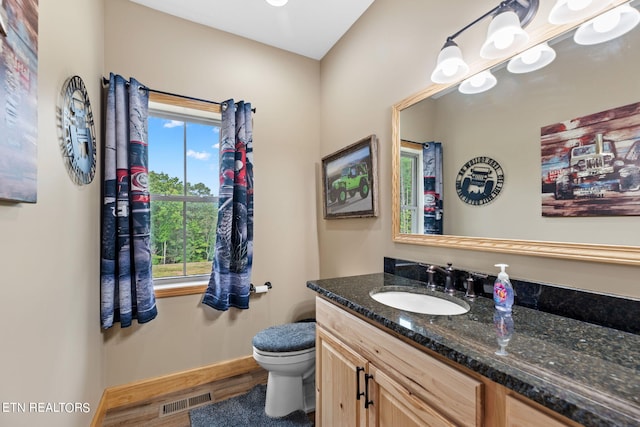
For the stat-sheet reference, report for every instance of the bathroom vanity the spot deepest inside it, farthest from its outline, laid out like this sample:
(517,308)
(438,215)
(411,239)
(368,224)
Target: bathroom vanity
(380,366)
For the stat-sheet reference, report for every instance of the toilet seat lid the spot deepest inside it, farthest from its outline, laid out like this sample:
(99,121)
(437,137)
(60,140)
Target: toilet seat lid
(287,337)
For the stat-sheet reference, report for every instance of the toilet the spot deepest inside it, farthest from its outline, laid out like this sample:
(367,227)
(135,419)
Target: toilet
(288,353)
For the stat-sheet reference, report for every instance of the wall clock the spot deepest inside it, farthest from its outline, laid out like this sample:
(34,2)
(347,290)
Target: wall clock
(77,131)
(479,181)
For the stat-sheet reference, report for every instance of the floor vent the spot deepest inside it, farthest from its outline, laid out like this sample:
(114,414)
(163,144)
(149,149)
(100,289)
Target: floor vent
(199,400)
(185,404)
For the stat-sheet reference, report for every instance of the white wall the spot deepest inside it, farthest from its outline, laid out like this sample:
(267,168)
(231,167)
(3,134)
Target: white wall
(51,345)
(387,56)
(174,55)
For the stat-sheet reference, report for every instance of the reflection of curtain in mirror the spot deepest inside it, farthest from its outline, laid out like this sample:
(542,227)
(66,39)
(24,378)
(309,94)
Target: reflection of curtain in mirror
(432,176)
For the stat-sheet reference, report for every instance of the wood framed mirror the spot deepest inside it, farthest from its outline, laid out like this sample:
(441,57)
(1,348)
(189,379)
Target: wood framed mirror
(583,239)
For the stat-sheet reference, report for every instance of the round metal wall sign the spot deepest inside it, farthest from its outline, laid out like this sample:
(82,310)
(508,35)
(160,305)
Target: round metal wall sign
(479,181)
(78,134)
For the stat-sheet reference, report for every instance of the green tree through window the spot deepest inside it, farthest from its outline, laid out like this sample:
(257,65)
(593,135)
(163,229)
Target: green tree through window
(183,176)
(409,182)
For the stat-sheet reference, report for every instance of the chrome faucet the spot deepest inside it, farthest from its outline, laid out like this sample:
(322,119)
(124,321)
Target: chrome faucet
(448,281)
(471,284)
(470,287)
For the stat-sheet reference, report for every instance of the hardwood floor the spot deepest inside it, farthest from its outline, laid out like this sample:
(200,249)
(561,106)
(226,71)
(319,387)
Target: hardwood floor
(148,413)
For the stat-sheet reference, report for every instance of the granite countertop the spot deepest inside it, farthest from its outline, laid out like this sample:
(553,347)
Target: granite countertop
(585,372)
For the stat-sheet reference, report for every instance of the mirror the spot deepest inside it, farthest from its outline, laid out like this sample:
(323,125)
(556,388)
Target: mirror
(505,125)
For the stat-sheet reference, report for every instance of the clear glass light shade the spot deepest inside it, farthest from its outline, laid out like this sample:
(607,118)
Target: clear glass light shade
(277,3)
(566,11)
(478,83)
(532,59)
(450,66)
(505,36)
(608,26)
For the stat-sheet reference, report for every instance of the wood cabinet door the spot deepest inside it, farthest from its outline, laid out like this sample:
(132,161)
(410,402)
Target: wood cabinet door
(393,405)
(339,378)
(520,414)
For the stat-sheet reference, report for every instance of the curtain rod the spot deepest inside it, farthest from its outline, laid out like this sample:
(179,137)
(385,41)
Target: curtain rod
(105,83)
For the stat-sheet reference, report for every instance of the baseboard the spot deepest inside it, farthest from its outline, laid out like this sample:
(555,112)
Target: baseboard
(139,391)
(101,411)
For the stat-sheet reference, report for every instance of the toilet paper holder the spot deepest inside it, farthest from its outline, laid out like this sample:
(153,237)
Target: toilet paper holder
(260,289)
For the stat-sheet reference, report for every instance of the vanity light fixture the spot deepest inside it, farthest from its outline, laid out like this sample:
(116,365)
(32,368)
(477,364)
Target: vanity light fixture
(532,59)
(478,83)
(450,65)
(608,26)
(566,11)
(277,3)
(505,36)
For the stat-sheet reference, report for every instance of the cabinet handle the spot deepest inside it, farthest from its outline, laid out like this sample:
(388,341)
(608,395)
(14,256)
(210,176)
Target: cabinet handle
(367,402)
(358,393)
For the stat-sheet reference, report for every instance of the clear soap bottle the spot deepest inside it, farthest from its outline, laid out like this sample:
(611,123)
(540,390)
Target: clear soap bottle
(502,290)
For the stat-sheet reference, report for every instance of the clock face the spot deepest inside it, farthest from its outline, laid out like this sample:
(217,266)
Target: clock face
(78,135)
(479,181)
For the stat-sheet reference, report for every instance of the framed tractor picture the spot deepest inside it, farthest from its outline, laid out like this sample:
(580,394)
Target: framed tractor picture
(349,181)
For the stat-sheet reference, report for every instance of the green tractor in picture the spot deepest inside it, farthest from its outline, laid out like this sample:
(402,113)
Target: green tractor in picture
(353,179)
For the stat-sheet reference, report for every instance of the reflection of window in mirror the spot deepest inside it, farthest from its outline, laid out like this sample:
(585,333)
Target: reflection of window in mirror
(411,191)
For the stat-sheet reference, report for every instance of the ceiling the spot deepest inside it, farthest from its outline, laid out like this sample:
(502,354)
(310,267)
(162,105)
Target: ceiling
(306,27)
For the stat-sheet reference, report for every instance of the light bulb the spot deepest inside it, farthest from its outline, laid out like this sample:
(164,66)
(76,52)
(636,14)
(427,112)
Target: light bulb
(606,22)
(576,5)
(477,80)
(503,40)
(531,56)
(478,83)
(449,68)
(532,59)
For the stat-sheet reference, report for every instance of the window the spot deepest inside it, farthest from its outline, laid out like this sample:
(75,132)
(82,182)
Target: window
(183,182)
(411,192)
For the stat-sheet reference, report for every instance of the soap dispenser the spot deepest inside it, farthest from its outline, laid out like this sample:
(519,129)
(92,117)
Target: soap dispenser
(502,290)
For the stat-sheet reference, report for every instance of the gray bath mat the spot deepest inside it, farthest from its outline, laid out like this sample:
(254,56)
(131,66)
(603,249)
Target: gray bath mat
(245,410)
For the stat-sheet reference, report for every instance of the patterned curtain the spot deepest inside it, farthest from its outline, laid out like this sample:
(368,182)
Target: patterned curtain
(231,271)
(432,166)
(126,282)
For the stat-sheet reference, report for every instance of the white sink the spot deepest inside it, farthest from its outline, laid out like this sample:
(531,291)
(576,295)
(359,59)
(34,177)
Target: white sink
(420,302)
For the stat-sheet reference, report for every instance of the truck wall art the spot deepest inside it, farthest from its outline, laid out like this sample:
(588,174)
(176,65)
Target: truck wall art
(591,164)
(349,181)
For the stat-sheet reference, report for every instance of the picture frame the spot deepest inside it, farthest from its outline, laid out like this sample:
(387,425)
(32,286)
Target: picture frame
(591,164)
(19,92)
(350,181)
